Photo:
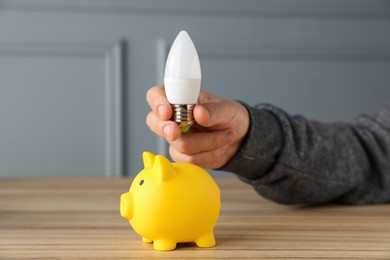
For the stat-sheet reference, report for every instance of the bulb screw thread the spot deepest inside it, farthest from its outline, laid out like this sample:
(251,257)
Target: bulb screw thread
(183,115)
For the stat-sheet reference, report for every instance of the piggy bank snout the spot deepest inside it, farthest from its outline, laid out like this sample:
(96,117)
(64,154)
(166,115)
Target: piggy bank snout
(126,205)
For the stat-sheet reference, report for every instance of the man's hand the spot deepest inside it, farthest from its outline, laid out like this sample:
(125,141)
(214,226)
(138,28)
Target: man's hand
(220,126)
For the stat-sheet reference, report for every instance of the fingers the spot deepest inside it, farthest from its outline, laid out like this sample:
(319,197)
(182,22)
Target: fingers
(211,159)
(193,143)
(158,119)
(166,129)
(158,102)
(205,149)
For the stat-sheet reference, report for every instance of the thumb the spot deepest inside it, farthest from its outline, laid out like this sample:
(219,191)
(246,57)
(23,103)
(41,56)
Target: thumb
(213,114)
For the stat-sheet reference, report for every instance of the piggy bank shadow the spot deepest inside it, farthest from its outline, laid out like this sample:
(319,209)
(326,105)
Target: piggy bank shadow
(186,245)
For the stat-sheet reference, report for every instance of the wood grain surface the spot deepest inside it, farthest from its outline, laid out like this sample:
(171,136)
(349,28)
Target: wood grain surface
(79,219)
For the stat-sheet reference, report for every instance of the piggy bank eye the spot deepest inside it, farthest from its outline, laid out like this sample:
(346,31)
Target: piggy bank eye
(141,182)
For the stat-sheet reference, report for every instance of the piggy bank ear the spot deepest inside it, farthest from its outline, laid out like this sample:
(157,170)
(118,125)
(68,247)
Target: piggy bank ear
(148,159)
(164,168)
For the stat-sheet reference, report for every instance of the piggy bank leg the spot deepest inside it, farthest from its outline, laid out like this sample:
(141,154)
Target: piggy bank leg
(207,240)
(146,240)
(164,245)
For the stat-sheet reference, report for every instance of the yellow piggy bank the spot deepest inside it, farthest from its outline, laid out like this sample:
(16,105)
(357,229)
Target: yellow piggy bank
(169,203)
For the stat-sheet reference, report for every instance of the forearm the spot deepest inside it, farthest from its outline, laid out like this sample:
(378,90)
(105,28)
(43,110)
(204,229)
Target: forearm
(293,160)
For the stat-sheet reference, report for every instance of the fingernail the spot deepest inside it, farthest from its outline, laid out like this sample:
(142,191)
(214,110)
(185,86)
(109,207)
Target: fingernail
(208,115)
(229,137)
(160,110)
(167,129)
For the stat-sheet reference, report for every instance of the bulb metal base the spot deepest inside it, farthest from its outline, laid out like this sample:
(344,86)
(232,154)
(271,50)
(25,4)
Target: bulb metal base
(183,115)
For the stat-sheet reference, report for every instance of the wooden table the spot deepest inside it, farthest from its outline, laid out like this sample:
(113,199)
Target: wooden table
(79,219)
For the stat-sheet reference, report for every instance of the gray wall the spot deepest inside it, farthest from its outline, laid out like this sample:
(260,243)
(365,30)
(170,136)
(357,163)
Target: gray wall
(73,74)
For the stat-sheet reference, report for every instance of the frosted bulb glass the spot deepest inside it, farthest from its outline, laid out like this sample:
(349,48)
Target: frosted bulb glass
(182,79)
(183,60)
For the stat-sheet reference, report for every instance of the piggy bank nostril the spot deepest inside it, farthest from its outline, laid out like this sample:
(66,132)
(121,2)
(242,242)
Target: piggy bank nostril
(141,182)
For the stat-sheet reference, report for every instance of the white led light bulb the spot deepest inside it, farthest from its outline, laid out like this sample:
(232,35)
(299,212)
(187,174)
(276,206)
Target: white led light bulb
(182,80)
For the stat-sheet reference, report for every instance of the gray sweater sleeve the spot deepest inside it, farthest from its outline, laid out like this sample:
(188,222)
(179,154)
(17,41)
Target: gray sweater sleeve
(293,160)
